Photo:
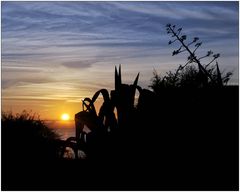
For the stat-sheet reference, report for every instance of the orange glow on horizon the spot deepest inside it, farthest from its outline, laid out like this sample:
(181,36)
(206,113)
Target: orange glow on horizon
(47,110)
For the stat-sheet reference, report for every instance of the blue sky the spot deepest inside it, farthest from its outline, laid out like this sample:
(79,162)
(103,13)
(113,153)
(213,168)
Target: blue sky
(64,51)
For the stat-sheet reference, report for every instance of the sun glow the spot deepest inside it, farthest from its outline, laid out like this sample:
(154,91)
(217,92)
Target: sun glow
(65,117)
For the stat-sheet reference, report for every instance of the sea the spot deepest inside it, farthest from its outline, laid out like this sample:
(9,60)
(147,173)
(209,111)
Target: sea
(64,129)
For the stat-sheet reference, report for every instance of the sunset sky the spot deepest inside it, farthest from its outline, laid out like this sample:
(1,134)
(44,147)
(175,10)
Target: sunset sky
(56,53)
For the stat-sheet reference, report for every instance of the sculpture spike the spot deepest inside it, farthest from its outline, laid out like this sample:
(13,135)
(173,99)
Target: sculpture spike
(136,81)
(116,79)
(120,75)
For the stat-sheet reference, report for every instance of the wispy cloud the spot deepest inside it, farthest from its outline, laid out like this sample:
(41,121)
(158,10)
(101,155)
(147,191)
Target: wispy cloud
(79,64)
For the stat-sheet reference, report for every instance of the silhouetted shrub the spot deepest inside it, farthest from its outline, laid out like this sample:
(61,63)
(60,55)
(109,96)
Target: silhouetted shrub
(25,136)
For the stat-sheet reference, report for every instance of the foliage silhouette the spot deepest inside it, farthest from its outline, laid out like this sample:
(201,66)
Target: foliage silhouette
(28,136)
(186,127)
(104,125)
(170,131)
(205,75)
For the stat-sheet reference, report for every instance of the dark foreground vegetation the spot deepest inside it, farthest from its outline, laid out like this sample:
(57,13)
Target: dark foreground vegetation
(183,135)
(26,136)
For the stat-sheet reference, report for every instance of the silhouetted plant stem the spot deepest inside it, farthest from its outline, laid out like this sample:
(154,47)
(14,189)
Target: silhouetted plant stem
(192,55)
(199,75)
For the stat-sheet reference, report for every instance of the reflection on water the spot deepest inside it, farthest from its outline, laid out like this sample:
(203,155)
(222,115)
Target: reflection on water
(65,132)
(64,128)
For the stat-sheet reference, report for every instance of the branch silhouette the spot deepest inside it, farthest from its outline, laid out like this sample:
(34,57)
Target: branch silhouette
(192,54)
(206,75)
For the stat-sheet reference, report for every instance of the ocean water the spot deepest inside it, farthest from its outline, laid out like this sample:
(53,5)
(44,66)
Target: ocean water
(64,129)
(65,132)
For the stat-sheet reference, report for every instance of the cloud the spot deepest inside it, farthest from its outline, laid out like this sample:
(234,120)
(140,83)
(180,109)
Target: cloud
(20,80)
(79,64)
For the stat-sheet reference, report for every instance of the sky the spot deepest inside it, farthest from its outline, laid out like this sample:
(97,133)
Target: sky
(56,53)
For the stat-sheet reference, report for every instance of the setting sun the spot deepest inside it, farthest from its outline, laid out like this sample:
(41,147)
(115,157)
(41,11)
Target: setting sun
(65,117)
